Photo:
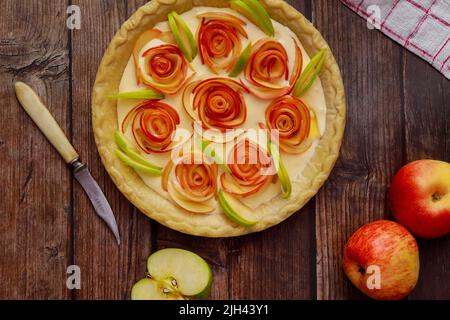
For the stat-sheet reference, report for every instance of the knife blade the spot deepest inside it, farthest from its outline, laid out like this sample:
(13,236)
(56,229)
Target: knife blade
(39,113)
(95,194)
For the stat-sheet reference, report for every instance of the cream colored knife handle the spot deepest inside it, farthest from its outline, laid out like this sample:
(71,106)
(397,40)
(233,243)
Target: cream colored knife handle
(33,105)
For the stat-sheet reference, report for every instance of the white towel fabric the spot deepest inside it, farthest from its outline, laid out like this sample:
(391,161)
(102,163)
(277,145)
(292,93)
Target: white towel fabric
(421,26)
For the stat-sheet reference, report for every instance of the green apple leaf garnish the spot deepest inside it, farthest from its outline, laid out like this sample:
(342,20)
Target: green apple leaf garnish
(236,210)
(144,94)
(283,176)
(123,145)
(256,13)
(183,36)
(242,60)
(208,149)
(137,165)
(310,74)
(174,273)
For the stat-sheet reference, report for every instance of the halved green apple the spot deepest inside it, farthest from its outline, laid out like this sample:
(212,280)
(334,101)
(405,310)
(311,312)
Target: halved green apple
(283,176)
(236,210)
(149,289)
(183,36)
(256,13)
(122,143)
(137,165)
(174,274)
(242,60)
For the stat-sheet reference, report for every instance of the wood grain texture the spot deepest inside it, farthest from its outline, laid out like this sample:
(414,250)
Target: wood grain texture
(35,183)
(427,136)
(356,192)
(108,270)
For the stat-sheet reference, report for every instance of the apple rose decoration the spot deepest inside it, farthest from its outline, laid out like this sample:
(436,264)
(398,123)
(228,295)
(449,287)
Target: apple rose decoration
(289,119)
(219,40)
(218,103)
(191,181)
(267,70)
(164,67)
(153,125)
(251,168)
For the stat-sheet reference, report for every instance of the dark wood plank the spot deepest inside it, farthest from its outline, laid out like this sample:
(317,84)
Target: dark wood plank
(35,208)
(427,132)
(356,191)
(108,271)
(277,263)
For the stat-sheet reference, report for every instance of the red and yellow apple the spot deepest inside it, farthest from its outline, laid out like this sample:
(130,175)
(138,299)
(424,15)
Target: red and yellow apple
(382,260)
(420,198)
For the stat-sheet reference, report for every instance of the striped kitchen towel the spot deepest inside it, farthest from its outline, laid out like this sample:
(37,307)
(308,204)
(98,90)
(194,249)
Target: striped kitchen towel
(421,26)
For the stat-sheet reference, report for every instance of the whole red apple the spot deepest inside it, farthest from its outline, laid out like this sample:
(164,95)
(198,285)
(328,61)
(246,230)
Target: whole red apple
(382,260)
(420,198)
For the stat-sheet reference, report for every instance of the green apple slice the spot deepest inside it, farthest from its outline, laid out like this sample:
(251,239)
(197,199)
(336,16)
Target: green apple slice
(236,210)
(181,272)
(183,36)
(283,176)
(208,149)
(310,74)
(138,95)
(242,60)
(149,289)
(137,165)
(256,13)
(123,145)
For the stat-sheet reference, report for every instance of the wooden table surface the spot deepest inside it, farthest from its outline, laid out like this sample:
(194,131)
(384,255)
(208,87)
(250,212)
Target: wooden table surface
(398,111)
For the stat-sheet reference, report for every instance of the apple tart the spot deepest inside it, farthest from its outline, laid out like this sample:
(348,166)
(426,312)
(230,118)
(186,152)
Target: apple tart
(218,118)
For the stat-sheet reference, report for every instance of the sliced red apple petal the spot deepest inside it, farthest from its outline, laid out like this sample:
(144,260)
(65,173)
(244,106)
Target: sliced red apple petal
(165,175)
(191,197)
(143,39)
(283,176)
(216,136)
(186,204)
(314,132)
(236,210)
(183,36)
(231,186)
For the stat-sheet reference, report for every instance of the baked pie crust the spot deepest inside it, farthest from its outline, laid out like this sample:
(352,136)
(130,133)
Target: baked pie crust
(162,210)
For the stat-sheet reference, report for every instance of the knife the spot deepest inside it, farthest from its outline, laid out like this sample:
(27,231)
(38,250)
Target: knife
(33,105)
